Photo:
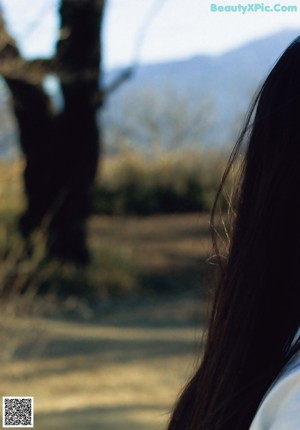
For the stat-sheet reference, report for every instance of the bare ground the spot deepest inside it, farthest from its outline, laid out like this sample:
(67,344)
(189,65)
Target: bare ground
(123,367)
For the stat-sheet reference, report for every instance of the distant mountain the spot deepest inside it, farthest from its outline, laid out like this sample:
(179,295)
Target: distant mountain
(225,83)
(228,81)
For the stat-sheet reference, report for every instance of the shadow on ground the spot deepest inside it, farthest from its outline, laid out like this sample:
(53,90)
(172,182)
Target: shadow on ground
(132,417)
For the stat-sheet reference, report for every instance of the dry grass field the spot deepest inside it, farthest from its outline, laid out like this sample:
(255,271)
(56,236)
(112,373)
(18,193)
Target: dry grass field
(121,365)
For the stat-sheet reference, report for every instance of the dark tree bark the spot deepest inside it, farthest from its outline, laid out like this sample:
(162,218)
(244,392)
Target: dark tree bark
(78,136)
(61,150)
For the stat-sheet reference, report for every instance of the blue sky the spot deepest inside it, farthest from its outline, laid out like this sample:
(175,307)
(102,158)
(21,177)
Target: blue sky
(178,28)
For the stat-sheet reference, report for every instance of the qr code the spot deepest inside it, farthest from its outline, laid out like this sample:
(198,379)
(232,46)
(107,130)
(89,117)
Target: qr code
(17,412)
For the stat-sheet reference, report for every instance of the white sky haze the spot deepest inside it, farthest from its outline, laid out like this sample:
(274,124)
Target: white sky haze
(178,29)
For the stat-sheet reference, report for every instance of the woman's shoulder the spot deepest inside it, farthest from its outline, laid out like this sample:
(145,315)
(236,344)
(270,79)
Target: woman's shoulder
(280,407)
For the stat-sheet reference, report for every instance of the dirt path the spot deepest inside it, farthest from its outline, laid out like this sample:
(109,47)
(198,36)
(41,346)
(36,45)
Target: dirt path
(170,251)
(97,376)
(122,369)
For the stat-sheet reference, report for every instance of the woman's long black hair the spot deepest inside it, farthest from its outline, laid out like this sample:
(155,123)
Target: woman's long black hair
(256,306)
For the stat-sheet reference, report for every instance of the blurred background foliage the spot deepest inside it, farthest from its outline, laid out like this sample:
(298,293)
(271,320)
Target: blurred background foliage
(130,183)
(179,181)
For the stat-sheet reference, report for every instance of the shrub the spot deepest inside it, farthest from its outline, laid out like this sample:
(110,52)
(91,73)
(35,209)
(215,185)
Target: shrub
(176,182)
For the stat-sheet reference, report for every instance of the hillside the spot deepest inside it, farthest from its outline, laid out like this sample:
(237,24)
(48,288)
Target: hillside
(221,86)
(227,82)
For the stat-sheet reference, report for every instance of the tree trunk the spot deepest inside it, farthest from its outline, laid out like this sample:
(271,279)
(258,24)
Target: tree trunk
(62,150)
